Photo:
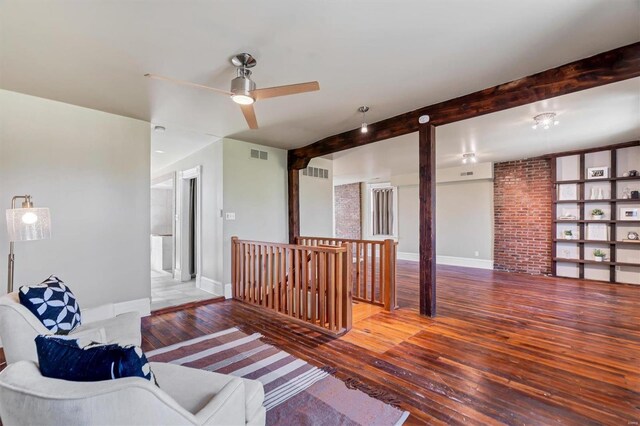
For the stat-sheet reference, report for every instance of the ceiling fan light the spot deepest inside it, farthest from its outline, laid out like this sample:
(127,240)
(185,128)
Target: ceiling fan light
(364,128)
(242,99)
(555,123)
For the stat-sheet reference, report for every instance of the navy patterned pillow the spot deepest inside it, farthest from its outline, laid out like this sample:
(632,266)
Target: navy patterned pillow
(53,303)
(62,358)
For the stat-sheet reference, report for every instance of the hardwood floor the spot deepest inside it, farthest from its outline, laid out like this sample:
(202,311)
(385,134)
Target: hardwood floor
(504,349)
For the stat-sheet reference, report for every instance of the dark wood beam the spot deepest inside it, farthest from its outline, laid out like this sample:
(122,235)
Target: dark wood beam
(293,189)
(427,189)
(604,68)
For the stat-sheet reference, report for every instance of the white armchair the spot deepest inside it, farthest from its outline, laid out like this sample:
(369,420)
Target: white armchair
(186,396)
(19,327)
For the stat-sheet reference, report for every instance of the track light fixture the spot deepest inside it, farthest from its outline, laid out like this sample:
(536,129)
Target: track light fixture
(363,126)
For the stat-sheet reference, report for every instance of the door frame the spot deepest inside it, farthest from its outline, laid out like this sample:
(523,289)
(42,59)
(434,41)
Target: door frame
(180,273)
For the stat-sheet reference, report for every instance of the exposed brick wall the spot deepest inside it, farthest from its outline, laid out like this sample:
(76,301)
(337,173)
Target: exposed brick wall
(347,211)
(522,213)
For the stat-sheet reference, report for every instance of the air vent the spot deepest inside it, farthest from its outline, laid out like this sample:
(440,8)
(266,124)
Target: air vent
(466,174)
(259,155)
(316,172)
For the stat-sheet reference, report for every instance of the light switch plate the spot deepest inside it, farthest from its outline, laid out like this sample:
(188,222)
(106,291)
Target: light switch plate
(230,216)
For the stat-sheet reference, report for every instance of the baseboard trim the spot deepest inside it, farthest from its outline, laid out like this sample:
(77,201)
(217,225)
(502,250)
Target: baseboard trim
(467,262)
(228,293)
(110,310)
(408,256)
(211,286)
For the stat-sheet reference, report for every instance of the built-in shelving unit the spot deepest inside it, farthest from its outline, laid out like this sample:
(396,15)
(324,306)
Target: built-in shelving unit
(575,196)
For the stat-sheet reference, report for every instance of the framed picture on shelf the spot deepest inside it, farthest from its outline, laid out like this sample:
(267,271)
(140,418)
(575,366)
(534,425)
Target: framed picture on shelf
(629,213)
(597,172)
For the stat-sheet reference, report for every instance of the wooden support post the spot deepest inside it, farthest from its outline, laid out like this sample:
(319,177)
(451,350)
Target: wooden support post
(235,262)
(294,204)
(347,287)
(388,280)
(427,188)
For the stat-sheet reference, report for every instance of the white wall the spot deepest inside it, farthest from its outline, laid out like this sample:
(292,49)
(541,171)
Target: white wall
(408,219)
(161,211)
(210,158)
(256,191)
(92,170)
(464,221)
(316,201)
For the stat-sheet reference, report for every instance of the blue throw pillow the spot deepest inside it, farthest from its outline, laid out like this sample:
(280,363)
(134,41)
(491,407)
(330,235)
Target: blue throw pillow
(53,303)
(62,358)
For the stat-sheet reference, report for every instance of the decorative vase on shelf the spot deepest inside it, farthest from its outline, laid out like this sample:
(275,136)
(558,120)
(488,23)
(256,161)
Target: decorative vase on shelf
(600,194)
(599,258)
(594,193)
(597,216)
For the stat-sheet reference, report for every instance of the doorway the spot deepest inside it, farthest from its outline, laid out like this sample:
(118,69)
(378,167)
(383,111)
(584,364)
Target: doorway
(177,280)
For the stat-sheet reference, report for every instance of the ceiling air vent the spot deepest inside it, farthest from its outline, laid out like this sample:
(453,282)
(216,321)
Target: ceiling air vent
(466,174)
(259,155)
(316,172)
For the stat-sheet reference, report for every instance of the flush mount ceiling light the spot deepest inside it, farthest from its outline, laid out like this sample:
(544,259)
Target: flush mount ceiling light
(469,157)
(159,129)
(545,120)
(363,126)
(159,152)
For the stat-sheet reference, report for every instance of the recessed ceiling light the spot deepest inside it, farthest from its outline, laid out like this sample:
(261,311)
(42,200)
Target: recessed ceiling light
(159,152)
(159,129)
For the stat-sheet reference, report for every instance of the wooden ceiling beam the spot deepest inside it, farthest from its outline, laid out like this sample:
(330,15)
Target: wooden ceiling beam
(609,67)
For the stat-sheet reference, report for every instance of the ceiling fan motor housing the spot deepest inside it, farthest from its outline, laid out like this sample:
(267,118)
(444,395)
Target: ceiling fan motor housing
(242,84)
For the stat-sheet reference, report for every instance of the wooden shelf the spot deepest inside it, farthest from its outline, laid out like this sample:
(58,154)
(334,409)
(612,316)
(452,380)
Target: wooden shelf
(593,262)
(606,200)
(578,163)
(594,221)
(605,242)
(567,182)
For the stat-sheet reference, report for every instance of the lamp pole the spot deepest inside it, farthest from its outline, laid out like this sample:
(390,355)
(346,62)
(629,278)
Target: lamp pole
(26,204)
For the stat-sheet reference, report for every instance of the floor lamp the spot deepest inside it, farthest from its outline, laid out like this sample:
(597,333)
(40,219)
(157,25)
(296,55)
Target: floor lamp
(25,224)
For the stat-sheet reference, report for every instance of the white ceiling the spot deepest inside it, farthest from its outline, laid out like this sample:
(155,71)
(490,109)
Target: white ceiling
(601,116)
(394,56)
(175,144)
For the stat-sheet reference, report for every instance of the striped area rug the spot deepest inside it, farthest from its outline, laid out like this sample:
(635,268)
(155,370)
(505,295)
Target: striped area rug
(296,393)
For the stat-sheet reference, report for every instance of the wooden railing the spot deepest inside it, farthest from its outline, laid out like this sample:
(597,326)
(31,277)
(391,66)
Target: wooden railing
(373,268)
(310,284)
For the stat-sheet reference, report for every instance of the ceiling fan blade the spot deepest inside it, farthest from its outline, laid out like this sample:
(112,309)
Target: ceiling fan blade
(250,115)
(187,83)
(291,89)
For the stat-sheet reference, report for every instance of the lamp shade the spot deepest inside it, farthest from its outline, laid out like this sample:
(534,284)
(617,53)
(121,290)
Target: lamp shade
(28,224)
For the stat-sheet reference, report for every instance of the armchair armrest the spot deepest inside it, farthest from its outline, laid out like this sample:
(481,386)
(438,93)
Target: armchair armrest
(227,407)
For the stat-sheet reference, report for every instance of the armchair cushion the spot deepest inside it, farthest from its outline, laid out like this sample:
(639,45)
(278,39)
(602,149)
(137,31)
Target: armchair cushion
(53,303)
(61,358)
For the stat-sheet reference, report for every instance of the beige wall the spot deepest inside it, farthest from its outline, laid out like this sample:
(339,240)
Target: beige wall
(92,170)
(316,202)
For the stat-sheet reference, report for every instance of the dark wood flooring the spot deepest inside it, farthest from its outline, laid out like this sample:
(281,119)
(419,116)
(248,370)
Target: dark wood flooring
(504,349)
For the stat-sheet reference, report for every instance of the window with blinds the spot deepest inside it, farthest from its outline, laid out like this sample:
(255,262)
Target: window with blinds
(382,211)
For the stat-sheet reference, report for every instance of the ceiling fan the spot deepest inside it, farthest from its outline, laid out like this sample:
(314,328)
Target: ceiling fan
(243,89)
